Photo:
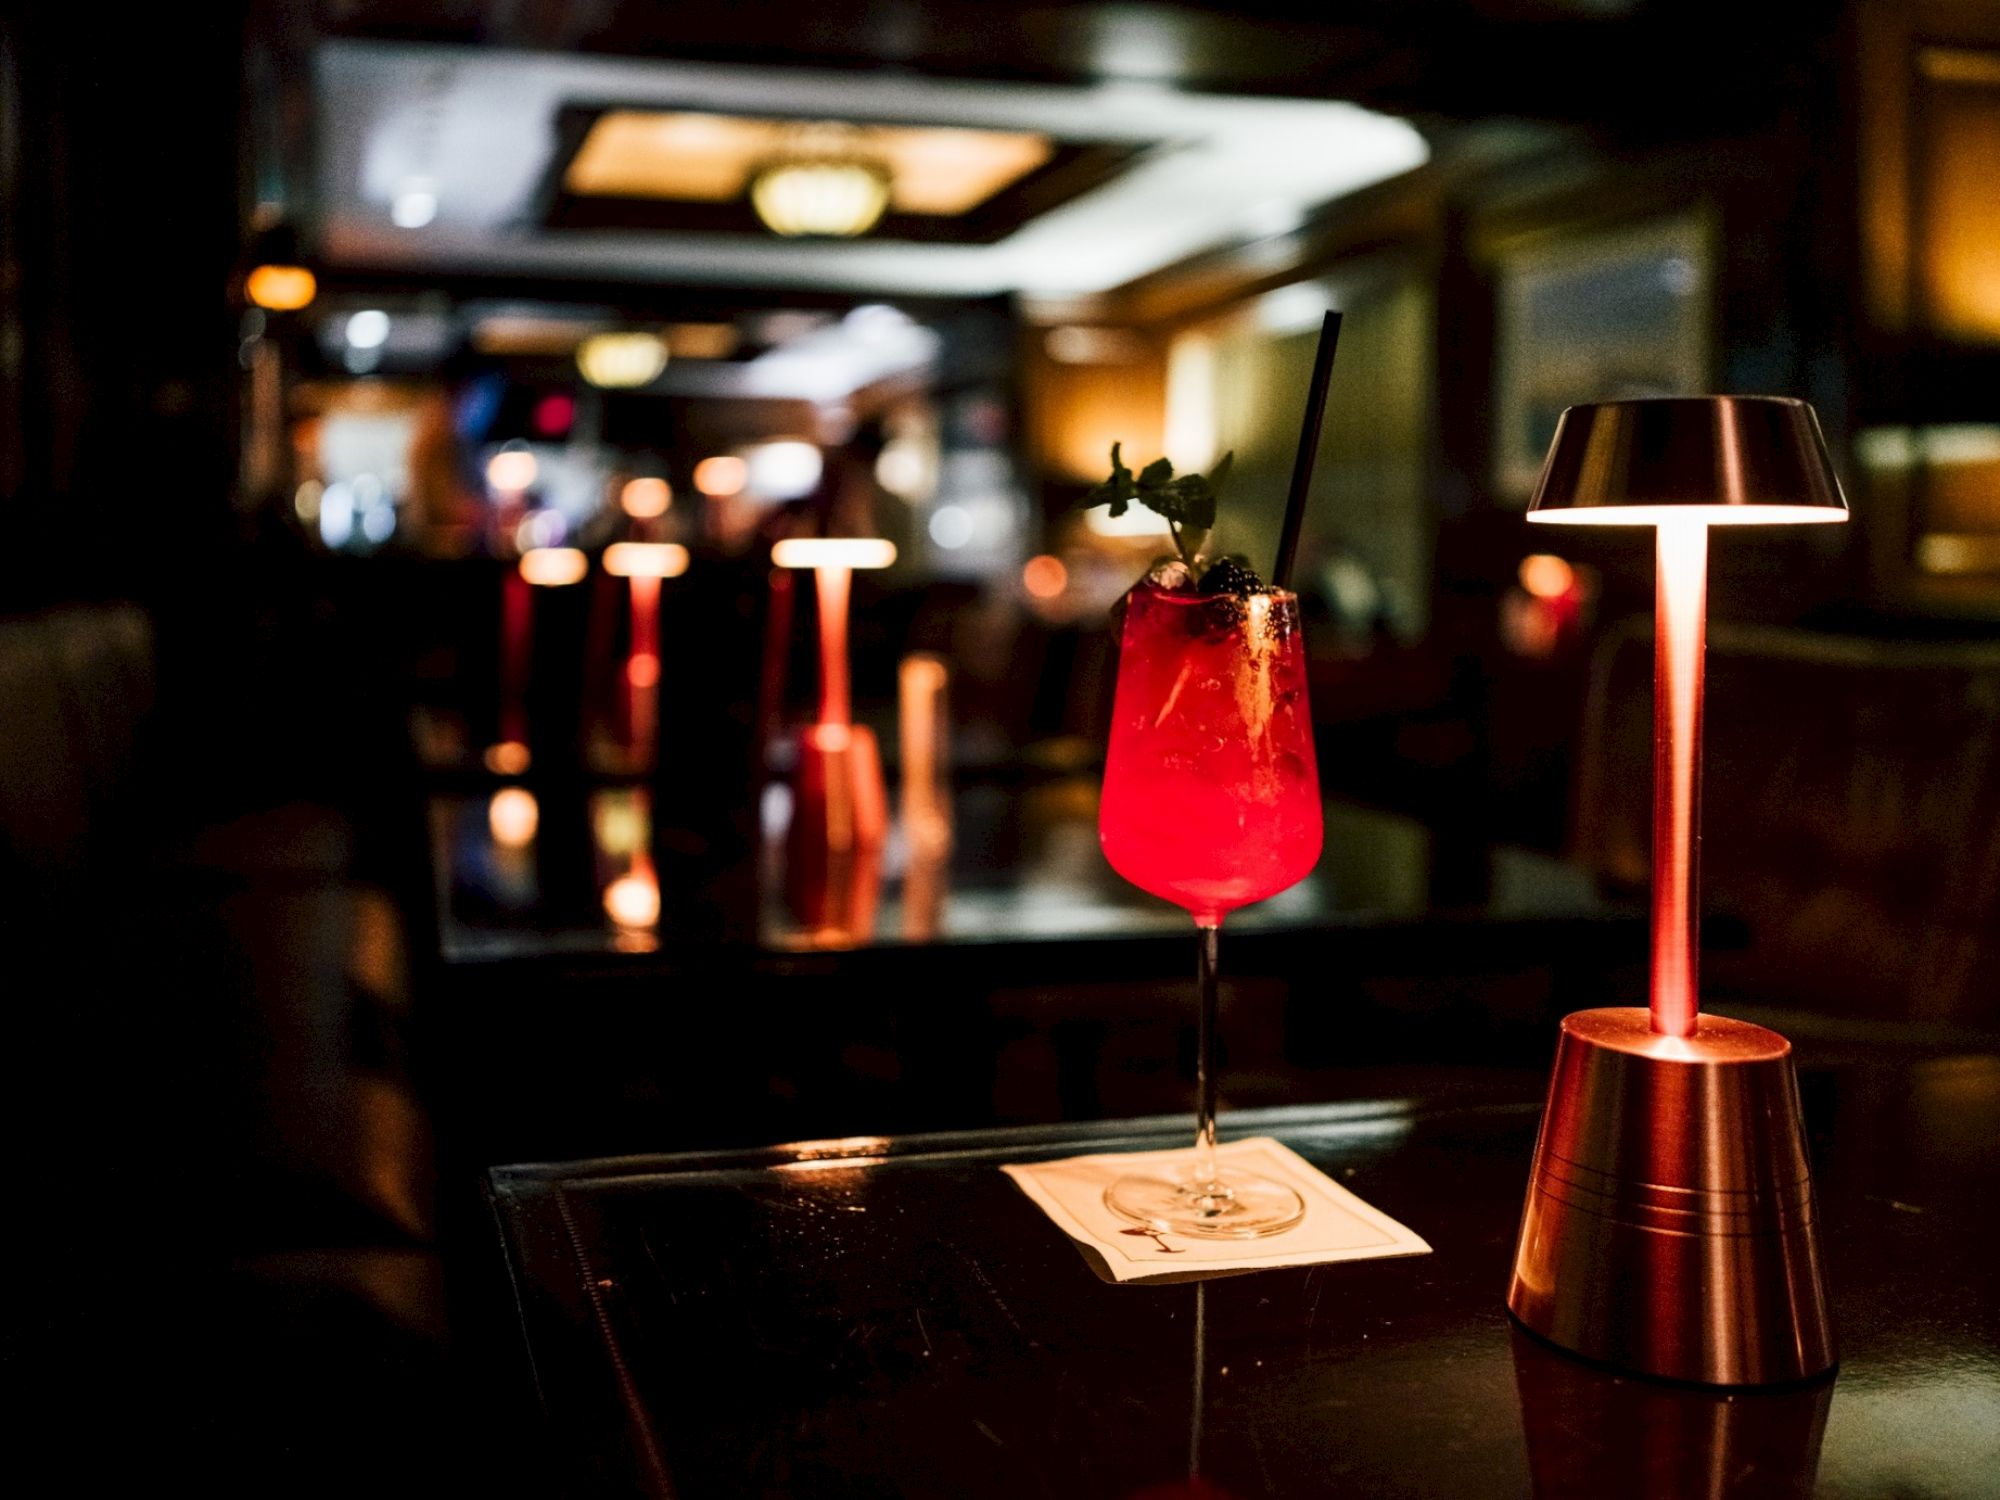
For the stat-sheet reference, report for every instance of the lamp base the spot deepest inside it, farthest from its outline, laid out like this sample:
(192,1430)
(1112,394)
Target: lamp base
(840,821)
(1670,1227)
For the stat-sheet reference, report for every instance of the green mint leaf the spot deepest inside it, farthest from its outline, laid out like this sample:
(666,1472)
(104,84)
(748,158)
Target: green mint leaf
(1156,473)
(1187,501)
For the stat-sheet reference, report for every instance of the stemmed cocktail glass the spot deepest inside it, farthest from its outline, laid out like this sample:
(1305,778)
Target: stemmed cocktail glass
(1211,800)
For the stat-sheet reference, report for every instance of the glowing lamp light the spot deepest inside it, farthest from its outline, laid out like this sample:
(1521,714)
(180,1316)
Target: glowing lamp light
(837,197)
(1045,577)
(1547,576)
(721,476)
(513,816)
(622,361)
(645,559)
(643,499)
(1667,1105)
(833,552)
(554,567)
(1683,465)
(511,470)
(633,900)
(281,288)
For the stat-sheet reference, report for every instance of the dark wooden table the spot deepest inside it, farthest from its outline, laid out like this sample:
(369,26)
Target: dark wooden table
(893,1317)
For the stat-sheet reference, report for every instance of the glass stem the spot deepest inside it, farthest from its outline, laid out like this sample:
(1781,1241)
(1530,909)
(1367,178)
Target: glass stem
(1204,1078)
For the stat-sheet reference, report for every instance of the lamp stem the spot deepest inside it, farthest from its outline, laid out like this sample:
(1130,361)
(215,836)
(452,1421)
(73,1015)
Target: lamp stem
(833,584)
(642,669)
(1679,643)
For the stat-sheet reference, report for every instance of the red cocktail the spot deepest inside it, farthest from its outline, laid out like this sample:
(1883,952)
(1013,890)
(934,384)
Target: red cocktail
(1211,793)
(1211,800)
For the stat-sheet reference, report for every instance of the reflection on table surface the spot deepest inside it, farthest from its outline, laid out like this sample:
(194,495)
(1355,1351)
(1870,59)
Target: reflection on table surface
(859,1315)
(522,873)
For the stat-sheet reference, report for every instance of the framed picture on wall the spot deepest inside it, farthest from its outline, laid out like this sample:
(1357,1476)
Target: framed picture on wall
(1605,314)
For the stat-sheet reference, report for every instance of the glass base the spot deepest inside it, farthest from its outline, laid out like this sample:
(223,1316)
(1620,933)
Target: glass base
(1240,1206)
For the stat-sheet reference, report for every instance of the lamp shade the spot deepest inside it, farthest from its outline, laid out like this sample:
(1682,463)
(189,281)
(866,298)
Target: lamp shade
(1725,460)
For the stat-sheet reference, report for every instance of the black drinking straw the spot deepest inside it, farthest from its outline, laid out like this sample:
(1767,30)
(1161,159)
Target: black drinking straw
(1302,466)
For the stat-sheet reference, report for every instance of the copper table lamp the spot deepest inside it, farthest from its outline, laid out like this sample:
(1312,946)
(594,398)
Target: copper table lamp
(840,807)
(1670,1227)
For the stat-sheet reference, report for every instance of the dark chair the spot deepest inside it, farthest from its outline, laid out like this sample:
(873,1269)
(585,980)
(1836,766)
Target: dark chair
(1851,817)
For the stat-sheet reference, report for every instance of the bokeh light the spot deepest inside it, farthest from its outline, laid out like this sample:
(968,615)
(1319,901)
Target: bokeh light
(554,414)
(1045,577)
(633,900)
(513,816)
(554,567)
(645,559)
(721,476)
(622,361)
(508,758)
(645,497)
(786,470)
(833,552)
(511,470)
(1547,576)
(281,288)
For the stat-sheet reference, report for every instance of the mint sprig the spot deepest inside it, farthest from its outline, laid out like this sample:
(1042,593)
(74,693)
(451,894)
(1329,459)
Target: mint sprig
(1186,501)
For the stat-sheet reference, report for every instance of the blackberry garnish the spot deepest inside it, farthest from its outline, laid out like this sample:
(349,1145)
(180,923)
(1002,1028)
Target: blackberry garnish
(1231,575)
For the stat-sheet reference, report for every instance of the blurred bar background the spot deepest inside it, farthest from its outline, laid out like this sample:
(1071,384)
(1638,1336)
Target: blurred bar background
(400,709)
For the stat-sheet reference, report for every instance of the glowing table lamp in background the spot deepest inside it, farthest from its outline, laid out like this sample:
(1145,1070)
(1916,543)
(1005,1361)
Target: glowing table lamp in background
(645,564)
(840,812)
(1670,1223)
(926,799)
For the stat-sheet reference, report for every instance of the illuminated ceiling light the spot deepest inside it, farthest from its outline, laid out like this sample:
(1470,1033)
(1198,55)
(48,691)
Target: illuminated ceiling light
(784,470)
(1095,346)
(513,816)
(702,340)
(281,288)
(833,552)
(1547,576)
(645,560)
(838,197)
(554,567)
(528,335)
(1294,309)
(644,498)
(511,470)
(940,171)
(622,361)
(368,329)
(721,476)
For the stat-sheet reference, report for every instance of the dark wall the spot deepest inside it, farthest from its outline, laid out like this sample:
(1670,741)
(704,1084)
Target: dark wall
(121,204)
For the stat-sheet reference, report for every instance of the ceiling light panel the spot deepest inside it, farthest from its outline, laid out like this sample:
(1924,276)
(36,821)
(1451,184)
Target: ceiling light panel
(1211,164)
(705,158)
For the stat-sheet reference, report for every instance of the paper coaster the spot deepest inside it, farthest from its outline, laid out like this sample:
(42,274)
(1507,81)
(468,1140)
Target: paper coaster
(1337,1225)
